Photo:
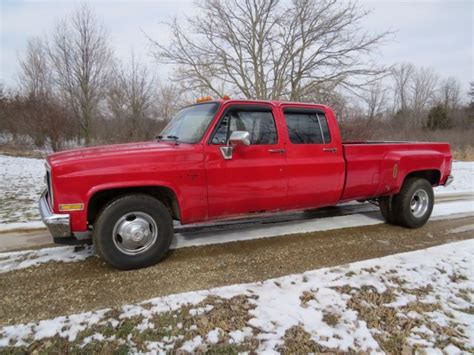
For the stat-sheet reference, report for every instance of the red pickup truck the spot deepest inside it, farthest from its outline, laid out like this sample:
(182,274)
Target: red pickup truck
(230,158)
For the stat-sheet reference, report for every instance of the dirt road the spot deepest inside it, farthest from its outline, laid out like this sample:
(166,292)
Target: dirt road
(55,289)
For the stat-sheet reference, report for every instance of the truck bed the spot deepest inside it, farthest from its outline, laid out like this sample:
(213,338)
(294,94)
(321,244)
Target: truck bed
(379,168)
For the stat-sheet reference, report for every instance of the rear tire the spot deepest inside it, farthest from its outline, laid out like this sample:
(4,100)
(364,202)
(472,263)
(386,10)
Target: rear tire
(386,208)
(414,204)
(133,231)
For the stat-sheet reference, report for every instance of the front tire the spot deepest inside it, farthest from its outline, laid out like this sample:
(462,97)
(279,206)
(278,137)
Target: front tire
(133,231)
(414,204)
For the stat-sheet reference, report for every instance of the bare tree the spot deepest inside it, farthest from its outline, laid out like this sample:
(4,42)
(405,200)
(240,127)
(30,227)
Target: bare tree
(423,88)
(470,107)
(470,93)
(450,91)
(35,73)
(402,75)
(39,113)
(328,95)
(169,99)
(81,56)
(270,50)
(130,96)
(374,98)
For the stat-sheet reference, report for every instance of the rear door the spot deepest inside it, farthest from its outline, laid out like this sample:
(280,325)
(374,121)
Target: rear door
(315,160)
(255,179)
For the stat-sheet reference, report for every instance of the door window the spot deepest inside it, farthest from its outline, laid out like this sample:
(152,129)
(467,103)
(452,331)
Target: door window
(307,128)
(259,124)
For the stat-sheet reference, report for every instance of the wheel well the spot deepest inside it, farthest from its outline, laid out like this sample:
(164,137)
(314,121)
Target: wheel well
(101,198)
(433,176)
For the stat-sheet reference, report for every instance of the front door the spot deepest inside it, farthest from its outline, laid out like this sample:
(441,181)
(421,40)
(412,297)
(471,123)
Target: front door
(254,179)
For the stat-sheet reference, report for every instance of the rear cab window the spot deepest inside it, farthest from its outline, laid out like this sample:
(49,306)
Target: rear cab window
(307,126)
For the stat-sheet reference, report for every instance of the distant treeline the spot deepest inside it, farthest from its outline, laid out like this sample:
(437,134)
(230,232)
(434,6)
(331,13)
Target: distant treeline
(73,91)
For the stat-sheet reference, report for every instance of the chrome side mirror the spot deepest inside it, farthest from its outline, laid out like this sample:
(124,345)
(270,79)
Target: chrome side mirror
(237,138)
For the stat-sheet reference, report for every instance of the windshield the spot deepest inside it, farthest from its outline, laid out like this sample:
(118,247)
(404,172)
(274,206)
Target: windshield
(189,125)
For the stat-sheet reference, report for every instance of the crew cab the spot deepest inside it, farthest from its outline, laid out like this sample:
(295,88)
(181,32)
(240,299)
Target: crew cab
(223,159)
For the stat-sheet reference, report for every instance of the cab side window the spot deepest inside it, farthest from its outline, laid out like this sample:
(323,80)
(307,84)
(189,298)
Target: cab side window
(259,124)
(307,127)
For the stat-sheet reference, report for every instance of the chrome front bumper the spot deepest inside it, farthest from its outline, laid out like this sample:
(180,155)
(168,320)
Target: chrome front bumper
(58,224)
(449,180)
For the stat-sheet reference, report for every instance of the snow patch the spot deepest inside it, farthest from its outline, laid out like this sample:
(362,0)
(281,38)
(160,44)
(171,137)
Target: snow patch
(23,259)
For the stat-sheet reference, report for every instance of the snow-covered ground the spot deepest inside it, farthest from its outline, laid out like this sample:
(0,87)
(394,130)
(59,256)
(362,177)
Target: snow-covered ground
(21,184)
(463,173)
(22,181)
(416,301)
(24,259)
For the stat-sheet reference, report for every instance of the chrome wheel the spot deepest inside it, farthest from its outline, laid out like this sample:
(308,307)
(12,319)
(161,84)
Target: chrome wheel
(135,233)
(419,203)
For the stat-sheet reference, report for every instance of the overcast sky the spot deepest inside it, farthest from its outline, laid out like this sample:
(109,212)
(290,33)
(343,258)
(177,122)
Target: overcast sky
(438,34)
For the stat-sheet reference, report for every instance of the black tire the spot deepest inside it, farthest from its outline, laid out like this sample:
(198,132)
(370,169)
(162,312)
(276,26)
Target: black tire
(402,208)
(386,208)
(153,211)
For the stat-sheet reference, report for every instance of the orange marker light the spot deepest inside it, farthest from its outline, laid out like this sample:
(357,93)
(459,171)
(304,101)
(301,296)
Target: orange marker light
(226,97)
(203,99)
(71,207)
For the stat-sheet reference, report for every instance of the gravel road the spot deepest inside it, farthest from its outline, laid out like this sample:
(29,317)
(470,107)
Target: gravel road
(54,289)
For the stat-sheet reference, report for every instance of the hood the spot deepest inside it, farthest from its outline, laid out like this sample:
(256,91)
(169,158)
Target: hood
(109,151)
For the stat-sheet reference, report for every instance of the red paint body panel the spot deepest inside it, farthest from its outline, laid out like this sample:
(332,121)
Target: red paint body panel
(369,167)
(255,180)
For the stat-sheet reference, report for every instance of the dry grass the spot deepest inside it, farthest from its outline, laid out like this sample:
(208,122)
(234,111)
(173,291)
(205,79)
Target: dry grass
(305,298)
(419,291)
(330,318)
(468,310)
(19,151)
(465,294)
(455,277)
(297,341)
(394,327)
(180,325)
(464,154)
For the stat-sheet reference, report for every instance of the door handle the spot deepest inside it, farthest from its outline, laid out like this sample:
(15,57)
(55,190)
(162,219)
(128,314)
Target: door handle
(277,151)
(330,150)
